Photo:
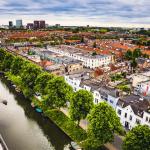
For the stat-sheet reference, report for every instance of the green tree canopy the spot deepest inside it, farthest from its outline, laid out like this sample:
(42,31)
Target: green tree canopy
(17,65)
(137,139)
(6,65)
(2,54)
(103,123)
(58,93)
(129,55)
(29,73)
(137,53)
(80,105)
(41,82)
(103,30)
(134,63)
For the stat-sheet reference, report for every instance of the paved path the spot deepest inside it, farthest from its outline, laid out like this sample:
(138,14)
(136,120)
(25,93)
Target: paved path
(116,145)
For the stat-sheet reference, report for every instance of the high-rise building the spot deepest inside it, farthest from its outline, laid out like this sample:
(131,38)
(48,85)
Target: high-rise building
(10,24)
(19,23)
(42,24)
(39,24)
(36,24)
(57,25)
(30,26)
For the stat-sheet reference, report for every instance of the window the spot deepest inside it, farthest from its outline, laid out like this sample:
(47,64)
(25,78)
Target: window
(130,117)
(119,111)
(125,115)
(96,100)
(106,98)
(97,94)
(146,119)
(111,102)
(138,121)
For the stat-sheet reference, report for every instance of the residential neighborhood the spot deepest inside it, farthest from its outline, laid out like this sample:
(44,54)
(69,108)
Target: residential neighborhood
(112,67)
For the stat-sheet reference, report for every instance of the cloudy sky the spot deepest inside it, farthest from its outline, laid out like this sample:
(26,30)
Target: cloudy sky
(78,12)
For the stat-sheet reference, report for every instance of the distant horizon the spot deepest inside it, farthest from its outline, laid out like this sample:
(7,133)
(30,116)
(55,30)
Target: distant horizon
(104,13)
(79,25)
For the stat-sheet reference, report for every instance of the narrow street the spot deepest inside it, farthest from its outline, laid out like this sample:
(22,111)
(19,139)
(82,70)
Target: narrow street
(116,145)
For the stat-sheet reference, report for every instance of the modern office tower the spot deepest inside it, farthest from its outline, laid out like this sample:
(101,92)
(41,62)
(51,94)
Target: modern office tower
(39,24)
(42,24)
(19,23)
(30,26)
(36,24)
(10,24)
(57,25)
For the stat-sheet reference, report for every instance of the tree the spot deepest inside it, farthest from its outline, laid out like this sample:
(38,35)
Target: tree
(103,31)
(2,54)
(137,139)
(6,65)
(137,53)
(29,73)
(128,55)
(80,105)
(42,81)
(94,54)
(16,65)
(133,64)
(103,123)
(58,93)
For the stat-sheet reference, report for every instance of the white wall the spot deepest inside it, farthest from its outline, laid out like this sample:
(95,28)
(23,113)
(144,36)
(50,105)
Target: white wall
(88,61)
(129,111)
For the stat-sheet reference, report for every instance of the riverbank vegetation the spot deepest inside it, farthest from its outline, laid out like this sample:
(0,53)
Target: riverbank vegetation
(55,93)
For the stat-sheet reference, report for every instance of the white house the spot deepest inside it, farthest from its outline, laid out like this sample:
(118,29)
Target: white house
(100,92)
(75,80)
(137,78)
(133,110)
(107,94)
(143,88)
(79,54)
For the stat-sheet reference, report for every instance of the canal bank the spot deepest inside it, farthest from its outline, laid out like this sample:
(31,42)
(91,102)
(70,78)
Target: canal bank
(23,128)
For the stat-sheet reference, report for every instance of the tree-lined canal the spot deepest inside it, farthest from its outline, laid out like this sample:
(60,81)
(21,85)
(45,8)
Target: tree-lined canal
(24,129)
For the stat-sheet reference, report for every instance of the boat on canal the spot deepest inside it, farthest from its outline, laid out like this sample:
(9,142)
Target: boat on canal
(38,110)
(3,145)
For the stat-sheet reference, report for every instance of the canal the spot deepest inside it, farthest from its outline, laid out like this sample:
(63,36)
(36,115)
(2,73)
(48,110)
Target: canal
(24,129)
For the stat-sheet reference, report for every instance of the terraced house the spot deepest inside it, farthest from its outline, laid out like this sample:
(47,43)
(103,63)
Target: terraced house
(88,59)
(133,110)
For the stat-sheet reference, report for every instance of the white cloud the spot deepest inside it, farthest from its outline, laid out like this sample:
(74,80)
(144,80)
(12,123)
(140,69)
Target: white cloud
(105,12)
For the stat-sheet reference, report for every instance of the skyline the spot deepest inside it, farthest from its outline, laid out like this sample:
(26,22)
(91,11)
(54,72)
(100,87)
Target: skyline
(119,13)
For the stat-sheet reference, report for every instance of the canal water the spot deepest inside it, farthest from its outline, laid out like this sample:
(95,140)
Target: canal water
(24,129)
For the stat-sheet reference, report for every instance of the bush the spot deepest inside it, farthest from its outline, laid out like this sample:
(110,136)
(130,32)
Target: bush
(67,125)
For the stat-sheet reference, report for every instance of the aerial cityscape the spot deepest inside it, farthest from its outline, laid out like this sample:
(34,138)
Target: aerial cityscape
(75,75)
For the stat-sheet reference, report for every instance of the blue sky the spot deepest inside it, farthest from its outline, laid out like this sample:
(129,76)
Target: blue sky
(78,12)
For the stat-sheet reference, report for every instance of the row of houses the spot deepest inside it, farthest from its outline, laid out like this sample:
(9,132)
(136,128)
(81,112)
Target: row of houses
(89,60)
(131,109)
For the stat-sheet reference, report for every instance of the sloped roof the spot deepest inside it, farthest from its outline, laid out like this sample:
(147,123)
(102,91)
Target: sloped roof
(137,104)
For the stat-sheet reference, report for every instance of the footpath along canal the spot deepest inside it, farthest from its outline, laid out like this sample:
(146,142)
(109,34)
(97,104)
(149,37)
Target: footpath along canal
(24,129)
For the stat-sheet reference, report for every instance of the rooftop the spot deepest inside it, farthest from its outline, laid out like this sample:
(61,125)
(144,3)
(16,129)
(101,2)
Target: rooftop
(138,104)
